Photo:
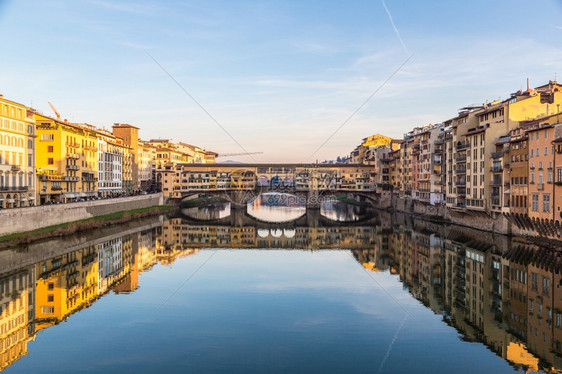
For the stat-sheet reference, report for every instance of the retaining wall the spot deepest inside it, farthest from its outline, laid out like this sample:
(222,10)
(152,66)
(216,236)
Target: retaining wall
(499,223)
(32,218)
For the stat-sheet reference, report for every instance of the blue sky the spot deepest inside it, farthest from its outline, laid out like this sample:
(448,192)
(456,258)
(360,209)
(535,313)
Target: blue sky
(280,76)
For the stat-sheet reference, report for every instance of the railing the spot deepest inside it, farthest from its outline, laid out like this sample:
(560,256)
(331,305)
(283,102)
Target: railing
(48,177)
(460,147)
(460,158)
(73,156)
(15,168)
(496,182)
(497,155)
(461,171)
(496,168)
(460,183)
(71,179)
(73,167)
(10,188)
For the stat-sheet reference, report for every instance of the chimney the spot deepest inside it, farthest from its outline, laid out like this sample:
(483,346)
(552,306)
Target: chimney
(528,87)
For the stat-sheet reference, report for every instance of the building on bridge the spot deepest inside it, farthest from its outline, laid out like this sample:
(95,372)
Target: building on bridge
(181,180)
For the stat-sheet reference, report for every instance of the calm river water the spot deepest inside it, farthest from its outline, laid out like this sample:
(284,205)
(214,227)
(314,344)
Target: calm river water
(277,288)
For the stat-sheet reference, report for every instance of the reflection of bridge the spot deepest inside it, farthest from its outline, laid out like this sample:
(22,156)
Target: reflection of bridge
(177,233)
(240,182)
(311,218)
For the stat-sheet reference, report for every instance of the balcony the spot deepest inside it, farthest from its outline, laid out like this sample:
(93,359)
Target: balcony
(460,147)
(460,158)
(15,168)
(50,177)
(540,186)
(89,179)
(460,171)
(495,201)
(72,167)
(497,155)
(460,183)
(496,169)
(70,179)
(496,182)
(73,156)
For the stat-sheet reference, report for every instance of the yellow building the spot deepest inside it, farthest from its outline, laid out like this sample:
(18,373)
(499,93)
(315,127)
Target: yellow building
(17,155)
(376,140)
(67,160)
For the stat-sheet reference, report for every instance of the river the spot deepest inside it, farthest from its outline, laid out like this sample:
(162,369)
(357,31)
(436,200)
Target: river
(277,288)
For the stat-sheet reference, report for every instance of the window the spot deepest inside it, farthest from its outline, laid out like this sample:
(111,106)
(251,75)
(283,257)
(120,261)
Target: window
(546,203)
(50,298)
(546,151)
(50,161)
(545,286)
(50,149)
(535,202)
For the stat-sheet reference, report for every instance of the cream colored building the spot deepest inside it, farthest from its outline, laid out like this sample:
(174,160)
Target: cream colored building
(17,155)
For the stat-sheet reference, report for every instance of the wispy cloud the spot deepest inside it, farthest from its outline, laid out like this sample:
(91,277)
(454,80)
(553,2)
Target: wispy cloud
(395,28)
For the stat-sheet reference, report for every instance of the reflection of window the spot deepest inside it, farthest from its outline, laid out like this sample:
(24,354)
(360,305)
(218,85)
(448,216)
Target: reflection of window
(50,298)
(48,309)
(50,161)
(51,286)
(50,149)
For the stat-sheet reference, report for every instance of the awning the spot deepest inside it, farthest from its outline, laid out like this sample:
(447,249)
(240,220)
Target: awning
(70,195)
(82,194)
(506,191)
(1,198)
(10,201)
(23,199)
(31,198)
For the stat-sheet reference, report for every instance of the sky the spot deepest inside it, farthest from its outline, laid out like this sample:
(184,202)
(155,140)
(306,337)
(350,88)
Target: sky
(299,80)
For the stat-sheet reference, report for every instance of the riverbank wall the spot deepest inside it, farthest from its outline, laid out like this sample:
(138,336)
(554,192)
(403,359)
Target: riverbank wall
(32,218)
(498,223)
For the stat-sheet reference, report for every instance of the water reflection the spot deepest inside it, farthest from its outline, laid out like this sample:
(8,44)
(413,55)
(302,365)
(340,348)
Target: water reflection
(502,294)
(209,213)
(342,212)
(276,207)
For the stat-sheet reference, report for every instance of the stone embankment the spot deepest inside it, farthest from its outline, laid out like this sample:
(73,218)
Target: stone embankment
(32,218)
(498,223)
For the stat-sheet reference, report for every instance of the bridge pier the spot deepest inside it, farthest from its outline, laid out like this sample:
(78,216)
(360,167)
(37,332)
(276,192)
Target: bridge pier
(312,217)
(237,216)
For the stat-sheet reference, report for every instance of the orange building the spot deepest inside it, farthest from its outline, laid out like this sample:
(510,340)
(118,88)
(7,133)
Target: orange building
(541,172)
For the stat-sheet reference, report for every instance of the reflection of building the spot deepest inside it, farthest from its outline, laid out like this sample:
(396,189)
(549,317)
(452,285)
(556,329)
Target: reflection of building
(65,284)
(40,295)
(17,312)
(507,297)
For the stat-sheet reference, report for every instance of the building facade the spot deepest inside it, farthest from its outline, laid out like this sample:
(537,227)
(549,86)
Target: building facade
(17,155)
